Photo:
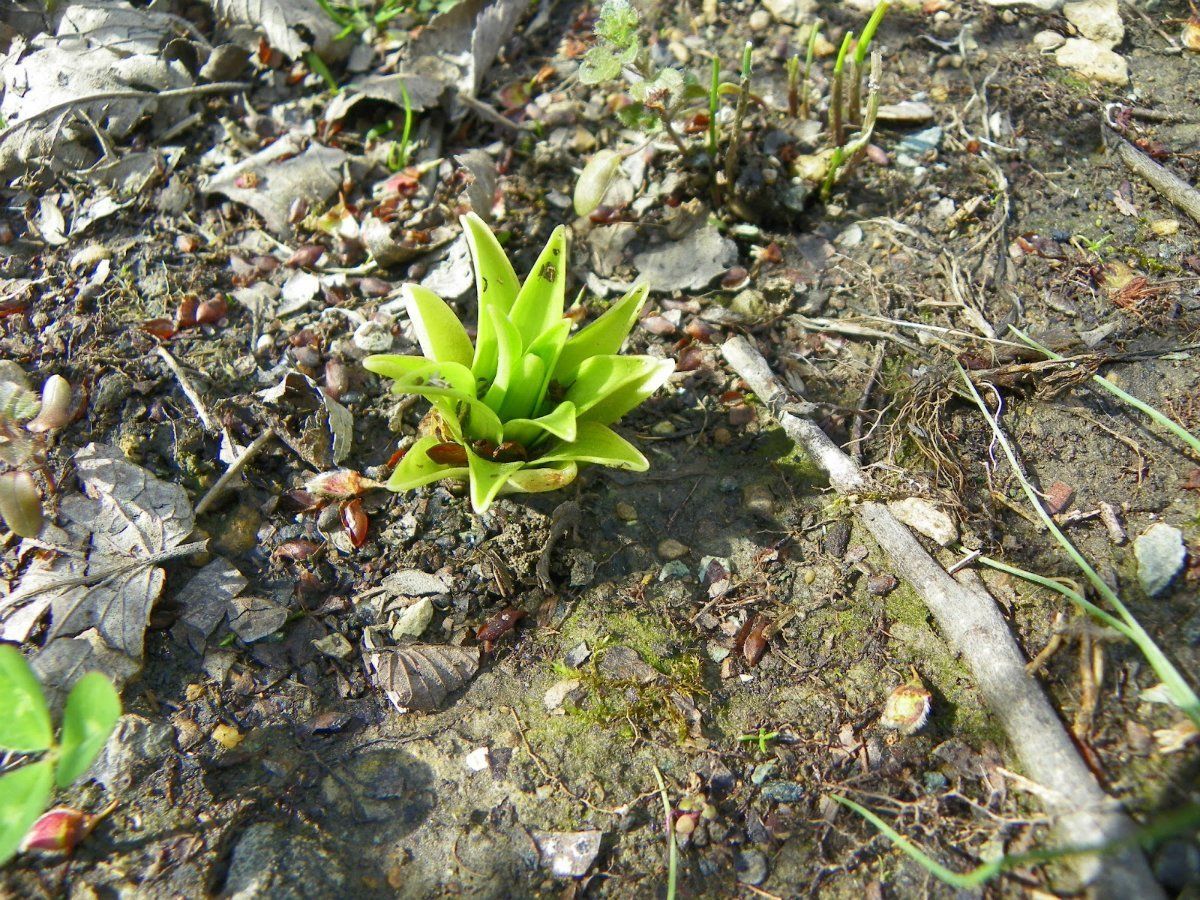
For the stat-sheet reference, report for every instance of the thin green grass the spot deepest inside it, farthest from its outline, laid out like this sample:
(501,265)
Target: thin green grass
(1165,421)
(1175,823)
(672,848)
(1176,685)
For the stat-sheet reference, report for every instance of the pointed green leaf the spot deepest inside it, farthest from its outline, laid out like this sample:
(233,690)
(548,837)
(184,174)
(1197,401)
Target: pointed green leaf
(24,795)
(487,478)
(24,719)
(520,400)
(508,360)
(559,422)
(603,337)
(89,717)
(607,387)
(548,347)
(440,333)
(600,445)
(417,468)
(496,286)
(540,480)
(394,365)
(539,305)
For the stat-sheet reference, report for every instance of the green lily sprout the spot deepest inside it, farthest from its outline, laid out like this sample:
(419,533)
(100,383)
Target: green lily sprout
(528,403)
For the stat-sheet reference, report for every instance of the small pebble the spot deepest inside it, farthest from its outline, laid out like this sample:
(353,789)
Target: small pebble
(881,584)
(1165,227)
(722,436)
(741,415)
(1058,497)
(760,20)
(751,867)
(673,549)
(626,512)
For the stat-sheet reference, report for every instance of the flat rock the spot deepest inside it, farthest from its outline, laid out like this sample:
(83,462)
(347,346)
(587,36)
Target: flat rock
(792,12)
(1041,5)
(907,112)
(1093,61)
(923,516)
(568,854)
(1097,20)
(690,264)
(268,861)
(1160,555)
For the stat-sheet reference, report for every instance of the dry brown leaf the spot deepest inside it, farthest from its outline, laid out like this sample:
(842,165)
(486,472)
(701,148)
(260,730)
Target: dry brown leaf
(420,676)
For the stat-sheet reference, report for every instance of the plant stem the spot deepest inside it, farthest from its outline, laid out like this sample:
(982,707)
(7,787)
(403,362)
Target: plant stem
(665,118)
(735,139)
(714,104)
(672,849)
(836,131)
(808,61)
(793,80)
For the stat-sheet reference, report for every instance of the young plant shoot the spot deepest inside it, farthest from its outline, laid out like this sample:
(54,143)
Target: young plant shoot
(90,714)
(528,403)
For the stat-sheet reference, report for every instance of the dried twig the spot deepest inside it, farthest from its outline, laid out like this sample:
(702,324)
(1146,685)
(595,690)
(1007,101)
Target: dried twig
(971,623)
(234,468)
(188,390)
(1167,183)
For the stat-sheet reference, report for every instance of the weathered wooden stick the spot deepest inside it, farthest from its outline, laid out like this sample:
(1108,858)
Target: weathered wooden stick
(970,621)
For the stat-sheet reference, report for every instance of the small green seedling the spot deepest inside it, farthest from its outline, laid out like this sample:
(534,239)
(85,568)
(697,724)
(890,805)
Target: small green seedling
(528,403)
(762,737)
(90,714)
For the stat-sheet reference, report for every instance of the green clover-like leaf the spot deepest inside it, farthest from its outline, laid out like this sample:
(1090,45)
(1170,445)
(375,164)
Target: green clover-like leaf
(90,714)
(24,795)
(24,719)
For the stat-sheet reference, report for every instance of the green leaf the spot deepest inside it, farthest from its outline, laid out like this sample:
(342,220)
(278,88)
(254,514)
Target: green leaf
(508,358)
(610,386)
(439,331)
(89,717)
(496,286)
(24,795)
(617,22)
(539,480)
(559,422)
(521,399)
(487,478)
(405,368)
(548,348)
(599,65)
(24,719)
(539,305)
(417,468)
(594,181)
(602,337)
(600,445)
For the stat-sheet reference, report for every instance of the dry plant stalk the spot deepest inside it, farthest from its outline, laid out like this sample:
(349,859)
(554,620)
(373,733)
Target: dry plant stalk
(972,625)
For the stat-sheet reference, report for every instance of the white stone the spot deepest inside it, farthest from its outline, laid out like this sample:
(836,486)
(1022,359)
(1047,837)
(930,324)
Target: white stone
(1097,20)
(1160,555)
(478,759)
(792,12)
(1047,41)
(1042,5)
(923,516)
(414,620)
(1093,61)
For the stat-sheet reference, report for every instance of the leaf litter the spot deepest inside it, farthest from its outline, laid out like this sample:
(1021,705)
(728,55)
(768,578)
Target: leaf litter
(114,538)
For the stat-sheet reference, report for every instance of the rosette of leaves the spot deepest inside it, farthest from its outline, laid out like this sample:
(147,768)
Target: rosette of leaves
(521,408)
